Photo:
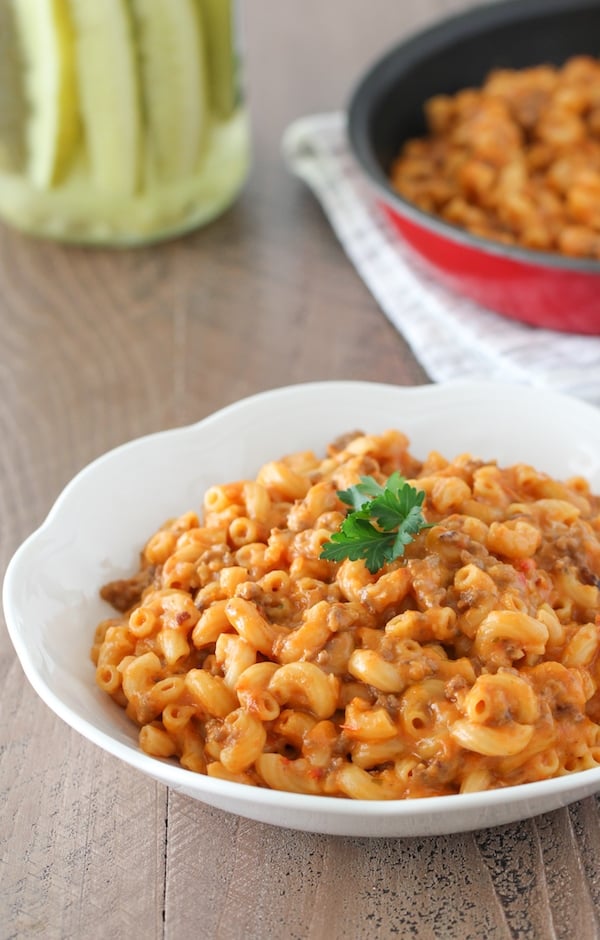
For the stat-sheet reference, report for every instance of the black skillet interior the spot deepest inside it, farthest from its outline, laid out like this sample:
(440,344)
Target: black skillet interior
(387,106)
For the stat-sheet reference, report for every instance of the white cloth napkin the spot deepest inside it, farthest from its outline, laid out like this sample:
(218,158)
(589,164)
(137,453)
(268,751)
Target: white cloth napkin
(450,336)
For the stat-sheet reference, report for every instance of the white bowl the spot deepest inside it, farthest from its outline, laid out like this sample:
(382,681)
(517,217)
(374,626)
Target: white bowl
(96,528)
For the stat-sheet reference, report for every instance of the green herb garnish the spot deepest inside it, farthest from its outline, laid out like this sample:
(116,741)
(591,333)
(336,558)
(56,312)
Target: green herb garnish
(383,522)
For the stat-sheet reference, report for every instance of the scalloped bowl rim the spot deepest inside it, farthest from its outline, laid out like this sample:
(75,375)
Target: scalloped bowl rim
(316,405)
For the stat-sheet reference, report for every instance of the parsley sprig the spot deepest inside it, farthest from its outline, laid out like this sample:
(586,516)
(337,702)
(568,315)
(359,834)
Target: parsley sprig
(383,522)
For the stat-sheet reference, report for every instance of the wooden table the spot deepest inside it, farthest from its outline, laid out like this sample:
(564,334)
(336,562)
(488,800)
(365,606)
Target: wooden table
(99,347)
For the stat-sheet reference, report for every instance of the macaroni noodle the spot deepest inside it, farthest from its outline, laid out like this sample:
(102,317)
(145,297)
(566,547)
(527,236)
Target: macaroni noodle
(470,663)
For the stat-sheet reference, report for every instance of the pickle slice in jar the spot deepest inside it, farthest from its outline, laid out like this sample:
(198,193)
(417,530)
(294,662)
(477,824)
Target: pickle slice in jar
(12,96)
(109,94)
(217,19)
(173,83)
(45,37)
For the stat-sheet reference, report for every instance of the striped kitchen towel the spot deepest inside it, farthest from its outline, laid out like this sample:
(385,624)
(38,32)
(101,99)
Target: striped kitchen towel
(451,336)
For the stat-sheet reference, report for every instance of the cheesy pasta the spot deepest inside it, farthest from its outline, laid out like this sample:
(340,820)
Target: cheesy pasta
(470,663)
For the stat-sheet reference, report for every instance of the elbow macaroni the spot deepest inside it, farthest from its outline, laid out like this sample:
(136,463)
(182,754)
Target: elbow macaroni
(471,663)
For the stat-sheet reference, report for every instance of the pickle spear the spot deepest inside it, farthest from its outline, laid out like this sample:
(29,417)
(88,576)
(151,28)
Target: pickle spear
(109,91)
(173,83)
(12,96)
(217,18)
(45,37)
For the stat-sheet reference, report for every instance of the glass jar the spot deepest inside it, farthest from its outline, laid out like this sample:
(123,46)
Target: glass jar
(122,122)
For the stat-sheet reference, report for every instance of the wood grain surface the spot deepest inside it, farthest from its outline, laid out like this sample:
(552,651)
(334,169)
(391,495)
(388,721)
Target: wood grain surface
(98,347)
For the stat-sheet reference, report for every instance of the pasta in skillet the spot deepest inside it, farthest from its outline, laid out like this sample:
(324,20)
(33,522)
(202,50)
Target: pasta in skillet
(469,663)
(515,160)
